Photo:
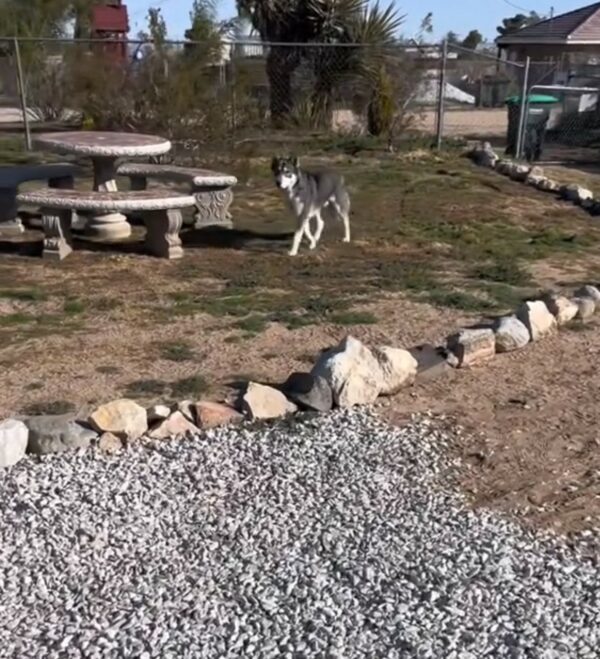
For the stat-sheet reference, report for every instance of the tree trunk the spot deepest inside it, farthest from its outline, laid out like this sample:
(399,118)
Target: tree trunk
(281,64)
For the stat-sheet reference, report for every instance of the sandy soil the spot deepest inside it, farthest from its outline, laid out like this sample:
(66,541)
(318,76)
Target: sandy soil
(532,445)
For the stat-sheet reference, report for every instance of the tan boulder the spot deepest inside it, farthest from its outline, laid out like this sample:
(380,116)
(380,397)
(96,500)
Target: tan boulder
(124,418)
(262,402)
(213,415)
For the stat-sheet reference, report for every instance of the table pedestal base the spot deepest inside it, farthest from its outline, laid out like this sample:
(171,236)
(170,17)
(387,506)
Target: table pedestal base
(112,226)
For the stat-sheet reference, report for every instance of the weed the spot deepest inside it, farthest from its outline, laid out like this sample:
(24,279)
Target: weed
(49,407)
(178,351)
(108,370)
(106,304)
(73,307)
(144,388)
(506,272)
(353,318)
(252,324)
(24,295)
(458,300)
(16,319)
(34,386)
(189,387)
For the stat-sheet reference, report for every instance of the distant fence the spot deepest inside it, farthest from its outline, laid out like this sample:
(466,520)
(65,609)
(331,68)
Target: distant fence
(231,92)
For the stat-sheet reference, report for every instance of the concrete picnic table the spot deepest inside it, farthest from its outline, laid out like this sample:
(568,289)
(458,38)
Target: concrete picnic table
(104,149)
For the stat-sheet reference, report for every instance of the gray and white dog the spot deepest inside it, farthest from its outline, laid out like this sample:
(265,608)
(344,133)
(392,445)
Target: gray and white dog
(309,194)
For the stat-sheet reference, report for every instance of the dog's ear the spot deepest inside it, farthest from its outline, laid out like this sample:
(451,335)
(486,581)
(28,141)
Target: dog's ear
(295,161)
(274,163)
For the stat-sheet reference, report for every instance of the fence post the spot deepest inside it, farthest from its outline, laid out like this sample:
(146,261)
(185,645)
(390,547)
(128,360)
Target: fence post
(22,93)
(523,110)
(233,83)
(441,92)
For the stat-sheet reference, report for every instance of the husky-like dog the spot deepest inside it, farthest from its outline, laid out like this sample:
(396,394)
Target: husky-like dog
(308,194)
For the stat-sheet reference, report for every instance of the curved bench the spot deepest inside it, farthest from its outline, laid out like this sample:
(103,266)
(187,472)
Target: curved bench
(161,212)
(212,190)
(59,175)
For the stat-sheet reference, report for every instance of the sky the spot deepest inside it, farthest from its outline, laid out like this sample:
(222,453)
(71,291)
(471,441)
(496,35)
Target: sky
(459,16)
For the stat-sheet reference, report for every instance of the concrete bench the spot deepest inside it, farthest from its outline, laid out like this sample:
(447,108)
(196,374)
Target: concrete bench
(212,190)
(58,175)
(161,212)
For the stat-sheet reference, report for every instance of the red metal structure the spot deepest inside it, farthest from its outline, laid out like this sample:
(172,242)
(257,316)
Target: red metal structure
(110,20)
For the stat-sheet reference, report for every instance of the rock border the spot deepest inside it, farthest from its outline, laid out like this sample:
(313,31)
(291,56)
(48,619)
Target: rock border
(483,155)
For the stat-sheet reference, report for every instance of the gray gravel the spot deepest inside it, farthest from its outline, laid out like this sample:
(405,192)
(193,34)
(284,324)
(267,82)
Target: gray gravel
(332,537)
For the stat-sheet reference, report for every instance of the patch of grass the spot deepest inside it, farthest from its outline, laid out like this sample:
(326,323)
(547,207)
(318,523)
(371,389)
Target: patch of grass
(458,300)
(405,276)
(189,387)
(252,324)
(353,318)
(105,304)
(49,407)
(177,351)
(108,370)
(74,307)
(34,386)
(24,295)
(16,319)
(505,272)
(504,296)
(234,338)
(144,388)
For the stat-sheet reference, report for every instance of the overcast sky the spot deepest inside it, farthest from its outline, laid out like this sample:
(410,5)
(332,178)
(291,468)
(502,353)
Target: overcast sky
(459,15)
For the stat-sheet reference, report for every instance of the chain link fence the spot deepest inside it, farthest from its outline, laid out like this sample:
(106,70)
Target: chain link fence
(209,96)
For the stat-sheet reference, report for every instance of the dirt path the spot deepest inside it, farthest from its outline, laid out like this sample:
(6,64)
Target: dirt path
(532,444)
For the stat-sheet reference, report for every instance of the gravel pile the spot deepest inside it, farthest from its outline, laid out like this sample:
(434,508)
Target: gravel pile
(328,537)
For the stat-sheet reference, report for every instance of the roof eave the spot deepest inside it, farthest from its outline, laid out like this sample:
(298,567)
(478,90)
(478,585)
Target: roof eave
(540,41)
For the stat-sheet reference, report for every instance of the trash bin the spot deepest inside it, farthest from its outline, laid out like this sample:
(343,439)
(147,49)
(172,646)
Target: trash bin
(536,123)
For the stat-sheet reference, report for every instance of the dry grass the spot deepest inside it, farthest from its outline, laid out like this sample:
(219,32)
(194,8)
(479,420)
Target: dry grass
(430,229)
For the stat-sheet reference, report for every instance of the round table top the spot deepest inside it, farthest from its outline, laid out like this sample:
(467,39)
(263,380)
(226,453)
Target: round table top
(103,144)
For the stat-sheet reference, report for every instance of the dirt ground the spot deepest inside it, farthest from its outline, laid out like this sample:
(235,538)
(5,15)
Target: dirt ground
(438,244)
(532,445)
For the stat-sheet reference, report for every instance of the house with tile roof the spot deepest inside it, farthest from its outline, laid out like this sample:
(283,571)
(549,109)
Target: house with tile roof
(566,38)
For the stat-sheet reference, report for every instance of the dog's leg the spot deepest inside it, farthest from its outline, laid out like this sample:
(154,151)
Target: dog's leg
(309,234)
(319,231)
(346,220)
(303,227)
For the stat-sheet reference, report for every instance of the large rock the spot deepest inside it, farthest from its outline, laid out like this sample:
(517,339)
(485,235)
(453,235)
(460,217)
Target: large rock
(546,184)
(432,361)
(352,372)
(13,442)
(124,418)
(472,346)
(484,155)
(158,413)
(586,308)
(504,166)
(56,434)
(589,291)
(177,425)
(109,443)
(511,334)
(575,193)
(262,402)
(213,415)
(519,172)
(537,319)
(188,409)
(563,309)
(398,369)
(309,392)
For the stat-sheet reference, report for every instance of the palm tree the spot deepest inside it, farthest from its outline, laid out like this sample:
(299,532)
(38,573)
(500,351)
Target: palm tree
(316,21)
(341,23)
